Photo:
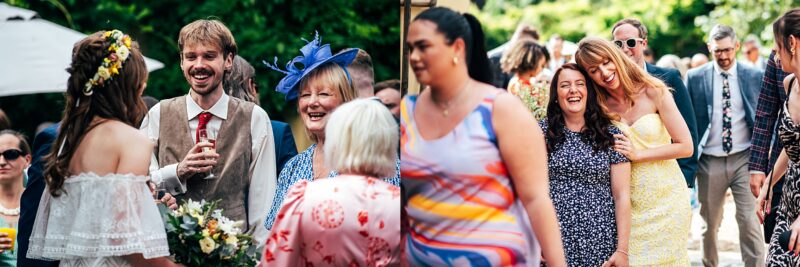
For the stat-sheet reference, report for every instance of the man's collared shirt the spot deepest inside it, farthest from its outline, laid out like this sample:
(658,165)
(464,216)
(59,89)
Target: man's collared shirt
(740,134)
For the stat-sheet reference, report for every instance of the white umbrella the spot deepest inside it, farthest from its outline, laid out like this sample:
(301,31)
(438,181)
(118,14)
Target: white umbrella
(35,53)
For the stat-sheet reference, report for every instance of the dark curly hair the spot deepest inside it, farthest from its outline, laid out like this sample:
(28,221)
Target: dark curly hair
(595,132)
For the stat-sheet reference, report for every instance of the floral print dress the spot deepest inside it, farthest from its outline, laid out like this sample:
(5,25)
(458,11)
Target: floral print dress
(347,221)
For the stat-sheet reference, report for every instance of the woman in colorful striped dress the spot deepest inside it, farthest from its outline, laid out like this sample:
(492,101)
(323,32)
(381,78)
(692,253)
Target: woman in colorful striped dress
(473,158)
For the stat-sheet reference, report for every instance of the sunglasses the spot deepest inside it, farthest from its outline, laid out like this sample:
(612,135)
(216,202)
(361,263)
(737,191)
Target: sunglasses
(630,43)
(11,154)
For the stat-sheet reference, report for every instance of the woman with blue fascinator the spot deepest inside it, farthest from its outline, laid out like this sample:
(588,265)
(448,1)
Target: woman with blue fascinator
(353,219)
(318,80)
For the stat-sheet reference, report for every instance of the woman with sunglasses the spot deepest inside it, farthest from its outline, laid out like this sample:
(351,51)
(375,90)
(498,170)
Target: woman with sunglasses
(655,136)
(16,155)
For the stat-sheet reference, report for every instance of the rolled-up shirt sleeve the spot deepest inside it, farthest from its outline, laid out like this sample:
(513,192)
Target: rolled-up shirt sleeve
(263,181)
(167,176)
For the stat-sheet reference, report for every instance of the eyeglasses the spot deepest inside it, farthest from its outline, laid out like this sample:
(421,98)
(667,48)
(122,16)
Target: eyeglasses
(630,43)
(724,50)
(11,154)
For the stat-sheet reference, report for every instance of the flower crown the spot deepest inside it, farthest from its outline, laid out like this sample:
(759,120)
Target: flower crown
(314,54)
(119,50)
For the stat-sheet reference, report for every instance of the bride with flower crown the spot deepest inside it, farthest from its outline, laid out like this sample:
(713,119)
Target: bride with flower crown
(97,209)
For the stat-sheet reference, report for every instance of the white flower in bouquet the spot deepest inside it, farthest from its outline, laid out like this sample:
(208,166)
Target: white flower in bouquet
(194,206)
(228,226)
(207,245)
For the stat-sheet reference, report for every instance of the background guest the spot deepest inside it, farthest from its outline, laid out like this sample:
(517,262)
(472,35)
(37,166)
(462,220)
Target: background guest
(15,157)
(389,94)
(362,74)
(524,32)
(240,83)
(525,61)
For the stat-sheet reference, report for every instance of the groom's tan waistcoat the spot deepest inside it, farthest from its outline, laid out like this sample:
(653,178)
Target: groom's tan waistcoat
(233,145)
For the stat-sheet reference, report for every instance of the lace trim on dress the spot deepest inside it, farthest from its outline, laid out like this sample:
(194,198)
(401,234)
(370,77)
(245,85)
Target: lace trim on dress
(99,216)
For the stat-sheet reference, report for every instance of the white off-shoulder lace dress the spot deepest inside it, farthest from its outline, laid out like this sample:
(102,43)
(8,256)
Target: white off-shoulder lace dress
(97,220)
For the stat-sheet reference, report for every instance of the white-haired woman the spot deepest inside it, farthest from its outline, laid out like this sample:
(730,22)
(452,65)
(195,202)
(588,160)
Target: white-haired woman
(354,218)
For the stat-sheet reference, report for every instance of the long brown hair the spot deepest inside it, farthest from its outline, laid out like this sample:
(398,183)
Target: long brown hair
(597,121)
(116,99)
(593,51)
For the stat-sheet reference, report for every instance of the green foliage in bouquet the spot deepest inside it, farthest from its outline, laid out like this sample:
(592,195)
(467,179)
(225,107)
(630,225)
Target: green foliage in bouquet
(198,235)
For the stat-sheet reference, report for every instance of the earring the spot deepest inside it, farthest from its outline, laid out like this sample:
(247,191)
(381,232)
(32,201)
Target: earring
(792,51)
(455,60)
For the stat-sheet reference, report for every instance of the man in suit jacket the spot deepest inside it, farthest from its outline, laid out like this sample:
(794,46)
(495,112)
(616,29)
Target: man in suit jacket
(724,95)
(630,35)
(29,202)
(765,149)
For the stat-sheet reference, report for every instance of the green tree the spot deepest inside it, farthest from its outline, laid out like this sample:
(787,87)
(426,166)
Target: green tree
(263,30)
(675,26)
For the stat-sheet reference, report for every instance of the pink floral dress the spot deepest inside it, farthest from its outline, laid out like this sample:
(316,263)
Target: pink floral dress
(343,221)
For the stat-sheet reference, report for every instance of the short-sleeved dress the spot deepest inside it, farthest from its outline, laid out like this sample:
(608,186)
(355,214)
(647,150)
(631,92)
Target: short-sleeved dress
(462,208)
(580,187)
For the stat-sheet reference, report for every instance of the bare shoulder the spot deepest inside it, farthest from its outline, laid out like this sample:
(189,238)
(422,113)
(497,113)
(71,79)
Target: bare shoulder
(121,137)
(787,80)
(121,132)
(655,93)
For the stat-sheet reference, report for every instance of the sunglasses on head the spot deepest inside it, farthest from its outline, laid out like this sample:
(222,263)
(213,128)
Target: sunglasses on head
(11,154)
(630,43)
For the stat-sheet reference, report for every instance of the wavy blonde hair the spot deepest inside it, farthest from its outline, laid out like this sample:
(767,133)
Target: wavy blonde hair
(593,51)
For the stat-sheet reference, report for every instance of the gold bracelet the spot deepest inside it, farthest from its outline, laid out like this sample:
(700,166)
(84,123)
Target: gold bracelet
(623,252)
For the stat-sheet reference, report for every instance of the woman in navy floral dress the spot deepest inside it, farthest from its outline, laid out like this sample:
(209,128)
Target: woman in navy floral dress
(589,181)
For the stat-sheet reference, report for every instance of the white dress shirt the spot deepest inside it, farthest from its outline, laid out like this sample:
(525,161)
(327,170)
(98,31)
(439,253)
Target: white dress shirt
(263,182)
(740,135)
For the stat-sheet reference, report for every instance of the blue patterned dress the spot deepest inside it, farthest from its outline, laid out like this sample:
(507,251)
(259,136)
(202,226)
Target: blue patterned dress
(300,168)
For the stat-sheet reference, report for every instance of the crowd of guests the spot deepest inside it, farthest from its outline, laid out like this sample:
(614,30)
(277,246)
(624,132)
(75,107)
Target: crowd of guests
(97,171)
(599,177)
(621,141)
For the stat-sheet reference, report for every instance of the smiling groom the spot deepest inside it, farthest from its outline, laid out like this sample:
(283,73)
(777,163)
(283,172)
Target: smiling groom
(242,163)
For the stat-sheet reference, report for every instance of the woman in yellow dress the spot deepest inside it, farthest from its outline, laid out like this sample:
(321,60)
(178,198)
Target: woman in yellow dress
(655,136)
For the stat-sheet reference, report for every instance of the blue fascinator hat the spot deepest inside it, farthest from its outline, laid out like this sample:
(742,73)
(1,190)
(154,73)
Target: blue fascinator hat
(314,54)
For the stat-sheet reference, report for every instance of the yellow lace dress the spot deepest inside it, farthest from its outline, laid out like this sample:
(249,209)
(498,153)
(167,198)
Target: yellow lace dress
(660,205)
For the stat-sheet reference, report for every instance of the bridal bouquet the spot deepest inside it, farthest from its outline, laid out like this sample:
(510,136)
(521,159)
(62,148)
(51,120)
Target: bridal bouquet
(198,235)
